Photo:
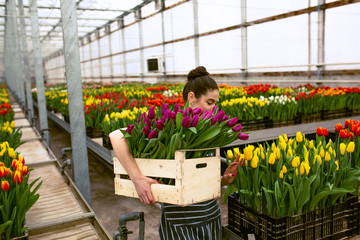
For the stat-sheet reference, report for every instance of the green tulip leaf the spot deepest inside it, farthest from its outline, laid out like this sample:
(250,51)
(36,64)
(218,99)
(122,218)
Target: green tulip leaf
(328,192)
(229,190)
(305,193)
(292,204)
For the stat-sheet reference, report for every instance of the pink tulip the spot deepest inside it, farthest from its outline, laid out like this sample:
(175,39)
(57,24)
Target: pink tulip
(207,115)
(176,108)
(197,111)
(164,108)
(129,129)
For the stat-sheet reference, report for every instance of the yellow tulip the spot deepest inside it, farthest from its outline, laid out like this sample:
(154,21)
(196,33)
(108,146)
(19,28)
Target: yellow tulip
(248,154)
(284,169)
(11,153)
(12,124)
(283,145)
(299,137)
(230,154)
(289,153)
(273,146)
(297,172)
(262,155)
(277,152)
(285,137)
(342,148)
(254,162)
(272,158)
(337,164)
(281,176)
(295,162)
(351,146)
(317,158)
(307,168)
(322,153)
(302,168)
(236,151)
(334,153)
(311,144)
(327,156)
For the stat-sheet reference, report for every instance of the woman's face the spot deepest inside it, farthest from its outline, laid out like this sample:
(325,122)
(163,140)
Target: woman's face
(207,101)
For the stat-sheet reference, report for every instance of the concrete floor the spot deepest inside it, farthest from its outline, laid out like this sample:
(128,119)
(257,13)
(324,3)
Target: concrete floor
(107,206)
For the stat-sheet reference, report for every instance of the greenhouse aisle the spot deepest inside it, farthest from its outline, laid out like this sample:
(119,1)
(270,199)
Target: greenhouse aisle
(59,211)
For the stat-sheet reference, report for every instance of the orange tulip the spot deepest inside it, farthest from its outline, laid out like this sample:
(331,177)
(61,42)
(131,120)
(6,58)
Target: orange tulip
(17,177)
(5,185)
(3,171)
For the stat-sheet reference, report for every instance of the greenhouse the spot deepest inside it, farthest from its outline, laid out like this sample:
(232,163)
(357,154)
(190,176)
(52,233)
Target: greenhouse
(179,119)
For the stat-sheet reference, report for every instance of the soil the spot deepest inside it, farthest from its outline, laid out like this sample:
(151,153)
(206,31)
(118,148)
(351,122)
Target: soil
(107,206)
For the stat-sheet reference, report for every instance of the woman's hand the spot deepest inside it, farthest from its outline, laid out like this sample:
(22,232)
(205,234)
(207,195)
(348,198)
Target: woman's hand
(143,188)
(232,171)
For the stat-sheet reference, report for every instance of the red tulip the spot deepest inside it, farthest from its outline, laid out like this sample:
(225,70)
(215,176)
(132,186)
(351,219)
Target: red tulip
(344,134)
(319,131)
(5,185)
(357,131)
(347,122)
(325,132)
(338,127)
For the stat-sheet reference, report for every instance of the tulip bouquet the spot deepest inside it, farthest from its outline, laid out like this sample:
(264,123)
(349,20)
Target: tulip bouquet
(159,134)
(16,193)
(293,176)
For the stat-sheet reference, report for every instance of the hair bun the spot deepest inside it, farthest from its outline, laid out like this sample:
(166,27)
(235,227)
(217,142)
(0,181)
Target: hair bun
(197,72)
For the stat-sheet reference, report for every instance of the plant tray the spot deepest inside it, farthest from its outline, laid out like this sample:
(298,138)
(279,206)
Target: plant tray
(335,222)
(196,179)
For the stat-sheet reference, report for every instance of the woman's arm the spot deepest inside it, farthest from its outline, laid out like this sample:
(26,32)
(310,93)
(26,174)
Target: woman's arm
(122,152)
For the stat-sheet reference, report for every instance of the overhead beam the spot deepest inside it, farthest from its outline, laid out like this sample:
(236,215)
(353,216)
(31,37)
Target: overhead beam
(79,9)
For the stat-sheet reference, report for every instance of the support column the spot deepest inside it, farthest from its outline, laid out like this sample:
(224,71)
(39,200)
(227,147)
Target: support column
(39,73)
(121,23)
(99,54)
(108,32)
(141,44)
(14,44)
(196,33)
(75,97)
(90,57)
(7,57)
(162,2)
(26,69)
(321,40)
(244,56)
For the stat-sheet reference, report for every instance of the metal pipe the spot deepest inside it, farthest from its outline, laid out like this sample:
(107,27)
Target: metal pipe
(75,98)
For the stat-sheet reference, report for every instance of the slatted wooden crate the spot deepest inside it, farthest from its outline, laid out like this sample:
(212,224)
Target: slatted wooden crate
(196,179)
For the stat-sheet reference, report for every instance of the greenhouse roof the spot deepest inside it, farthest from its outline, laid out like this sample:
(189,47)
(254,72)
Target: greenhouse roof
(91,15)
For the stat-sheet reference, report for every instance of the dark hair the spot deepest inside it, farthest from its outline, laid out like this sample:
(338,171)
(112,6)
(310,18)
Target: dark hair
(199,82)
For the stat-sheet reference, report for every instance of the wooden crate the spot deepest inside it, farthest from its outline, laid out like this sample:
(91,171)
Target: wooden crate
(196,179)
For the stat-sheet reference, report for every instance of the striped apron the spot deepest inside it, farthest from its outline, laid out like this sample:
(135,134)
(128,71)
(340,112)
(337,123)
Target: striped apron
(201,221)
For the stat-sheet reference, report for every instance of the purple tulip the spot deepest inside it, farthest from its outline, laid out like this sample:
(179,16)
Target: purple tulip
(153,134)
(147,121)
(215,108)
(225,118)
(186,122)
(184,113)
(220,115)
(176,108)
(243,136)
(197,111)
(141,117)
(232,122)
(164,108)
(213,121)
(237,128)
(173,115)
(189,110)
(146,130)
(151,113)
(160,125)
(207,115)
(195,121)
(129,129)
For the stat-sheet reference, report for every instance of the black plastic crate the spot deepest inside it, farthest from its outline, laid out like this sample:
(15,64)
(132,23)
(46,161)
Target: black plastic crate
(335,222)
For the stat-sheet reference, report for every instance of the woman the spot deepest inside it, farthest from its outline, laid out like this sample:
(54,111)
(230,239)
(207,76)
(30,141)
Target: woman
(197,221)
